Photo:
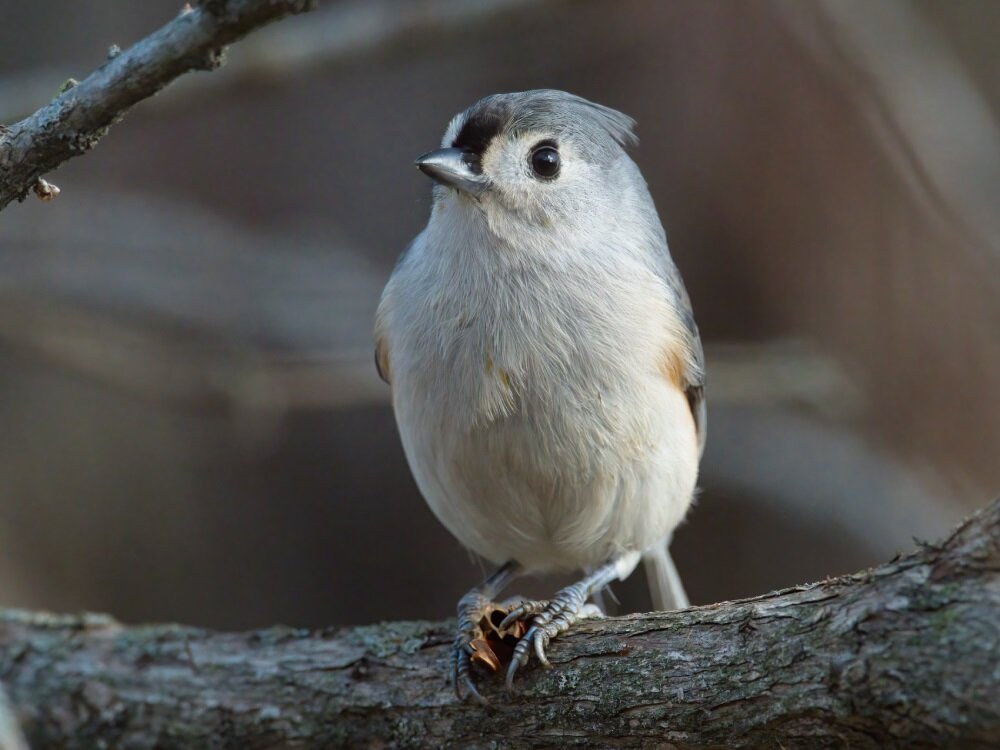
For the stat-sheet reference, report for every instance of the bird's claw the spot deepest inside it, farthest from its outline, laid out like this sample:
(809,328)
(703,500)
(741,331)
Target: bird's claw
(522,611)
(548,619)
(461,669)
(485,633)
(472,608)
(514,629)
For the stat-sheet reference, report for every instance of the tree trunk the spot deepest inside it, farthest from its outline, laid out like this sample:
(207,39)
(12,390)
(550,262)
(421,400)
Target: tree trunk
(905,655)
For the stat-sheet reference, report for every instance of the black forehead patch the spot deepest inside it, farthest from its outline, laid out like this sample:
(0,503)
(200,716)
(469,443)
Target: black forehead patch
(481,127)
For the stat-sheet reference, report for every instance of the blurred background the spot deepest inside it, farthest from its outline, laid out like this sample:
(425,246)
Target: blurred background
(192,427)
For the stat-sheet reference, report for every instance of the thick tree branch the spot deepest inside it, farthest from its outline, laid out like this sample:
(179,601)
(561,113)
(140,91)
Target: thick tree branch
(904,655)
(79,117)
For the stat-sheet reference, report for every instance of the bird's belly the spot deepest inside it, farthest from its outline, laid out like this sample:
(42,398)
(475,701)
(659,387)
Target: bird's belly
(561,481)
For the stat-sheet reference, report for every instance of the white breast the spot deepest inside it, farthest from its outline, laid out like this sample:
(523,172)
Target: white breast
(531,398)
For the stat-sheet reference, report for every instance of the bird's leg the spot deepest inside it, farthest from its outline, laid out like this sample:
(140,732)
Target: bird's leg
(566,608)
(471,609)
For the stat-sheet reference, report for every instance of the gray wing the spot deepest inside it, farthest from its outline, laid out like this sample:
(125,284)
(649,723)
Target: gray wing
(382,360)
(694,370)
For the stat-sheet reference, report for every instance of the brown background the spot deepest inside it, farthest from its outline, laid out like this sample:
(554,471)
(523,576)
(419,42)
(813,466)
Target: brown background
(192,427)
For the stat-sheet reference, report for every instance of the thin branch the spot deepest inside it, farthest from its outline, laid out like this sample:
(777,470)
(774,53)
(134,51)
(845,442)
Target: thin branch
(339,34)
(901,656)
(80,116)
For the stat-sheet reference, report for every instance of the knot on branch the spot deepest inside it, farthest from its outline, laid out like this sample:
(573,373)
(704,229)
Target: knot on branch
(81,142)
(210,60)
(44,190)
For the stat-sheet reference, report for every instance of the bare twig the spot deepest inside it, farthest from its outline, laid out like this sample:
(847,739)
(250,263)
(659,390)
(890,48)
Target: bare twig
(79,117)
(337,34)
(900,656)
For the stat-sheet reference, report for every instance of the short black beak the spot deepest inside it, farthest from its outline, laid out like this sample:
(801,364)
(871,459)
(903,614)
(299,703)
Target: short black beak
(452,167)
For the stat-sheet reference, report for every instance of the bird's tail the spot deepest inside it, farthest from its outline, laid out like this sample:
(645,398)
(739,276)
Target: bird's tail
(665,585)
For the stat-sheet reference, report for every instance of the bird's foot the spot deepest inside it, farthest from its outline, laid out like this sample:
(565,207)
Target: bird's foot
(484,635)
(546,621)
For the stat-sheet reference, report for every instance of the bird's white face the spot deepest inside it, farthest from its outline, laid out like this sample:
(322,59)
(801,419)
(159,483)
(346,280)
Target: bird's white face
(540,177)
(525,175)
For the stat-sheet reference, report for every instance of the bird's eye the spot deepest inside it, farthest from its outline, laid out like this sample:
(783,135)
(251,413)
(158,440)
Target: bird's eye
(545,161)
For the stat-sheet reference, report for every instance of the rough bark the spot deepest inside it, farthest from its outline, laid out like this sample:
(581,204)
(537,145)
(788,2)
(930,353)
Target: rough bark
(79,117)
(905,655)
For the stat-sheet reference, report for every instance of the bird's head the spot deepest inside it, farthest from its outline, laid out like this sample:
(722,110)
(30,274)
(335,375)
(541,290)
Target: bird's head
(534,159)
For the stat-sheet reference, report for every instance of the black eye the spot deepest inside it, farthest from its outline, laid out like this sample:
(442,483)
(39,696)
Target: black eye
(545,161)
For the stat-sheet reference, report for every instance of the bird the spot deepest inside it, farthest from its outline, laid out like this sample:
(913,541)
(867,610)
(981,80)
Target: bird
(546,372)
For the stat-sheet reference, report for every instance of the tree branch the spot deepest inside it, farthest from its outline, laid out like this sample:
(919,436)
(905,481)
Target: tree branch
(340,34)
(80,116)
(901,656)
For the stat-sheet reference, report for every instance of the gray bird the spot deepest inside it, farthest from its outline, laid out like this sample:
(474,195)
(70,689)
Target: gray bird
(547,374)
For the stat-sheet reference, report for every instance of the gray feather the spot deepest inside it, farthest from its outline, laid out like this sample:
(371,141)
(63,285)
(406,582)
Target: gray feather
(595,127)
(695,366)
(665,587)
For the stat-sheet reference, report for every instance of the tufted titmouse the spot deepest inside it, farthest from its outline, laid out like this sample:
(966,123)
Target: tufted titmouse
(547,374)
